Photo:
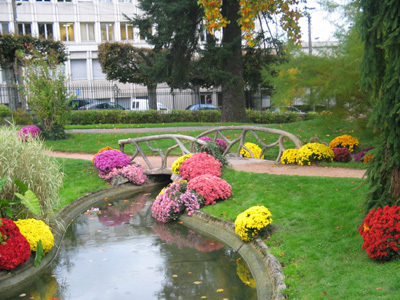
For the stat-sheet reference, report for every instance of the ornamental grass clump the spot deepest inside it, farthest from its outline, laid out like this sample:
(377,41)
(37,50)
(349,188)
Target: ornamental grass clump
(289,156)
(381,233)
(29,131)
(14,248)
(211,187)
(344,141)
(134,173)
(31,164)
(251,149)
(177,163)
(34,231)
(314,152)
(174,200)
(108,160)
(341,154)
(252,221)
(200,164)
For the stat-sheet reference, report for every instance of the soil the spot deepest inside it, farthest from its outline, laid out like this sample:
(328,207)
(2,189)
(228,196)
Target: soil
(248,165)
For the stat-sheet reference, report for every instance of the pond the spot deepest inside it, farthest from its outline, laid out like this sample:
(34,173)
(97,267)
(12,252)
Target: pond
(123,253)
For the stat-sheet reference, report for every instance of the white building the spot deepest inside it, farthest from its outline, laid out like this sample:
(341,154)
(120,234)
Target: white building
(82,25)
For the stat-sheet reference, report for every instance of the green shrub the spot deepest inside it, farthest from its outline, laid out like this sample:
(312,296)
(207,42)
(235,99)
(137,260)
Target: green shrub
(29,163)
(21,117)
(5,111)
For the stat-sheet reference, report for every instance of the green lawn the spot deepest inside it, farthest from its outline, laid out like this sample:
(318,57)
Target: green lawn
(314,232)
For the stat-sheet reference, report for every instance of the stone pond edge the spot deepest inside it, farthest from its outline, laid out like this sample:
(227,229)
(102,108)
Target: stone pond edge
(256,253)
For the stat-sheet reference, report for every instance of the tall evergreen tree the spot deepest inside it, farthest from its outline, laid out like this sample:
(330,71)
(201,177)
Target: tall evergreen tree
(381,73)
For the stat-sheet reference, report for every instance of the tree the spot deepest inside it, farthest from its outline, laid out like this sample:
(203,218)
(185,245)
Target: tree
(316,79)
(45,90)
(126,63)
(10,44)
(381,74)
(234,17)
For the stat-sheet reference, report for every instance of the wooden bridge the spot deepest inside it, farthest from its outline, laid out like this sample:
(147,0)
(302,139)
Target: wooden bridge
(187,143)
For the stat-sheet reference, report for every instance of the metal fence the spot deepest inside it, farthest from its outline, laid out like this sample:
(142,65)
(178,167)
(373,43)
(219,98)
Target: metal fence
(177,99)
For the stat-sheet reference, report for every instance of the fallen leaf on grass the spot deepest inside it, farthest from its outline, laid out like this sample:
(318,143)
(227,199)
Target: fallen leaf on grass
(197,282)
(220,290)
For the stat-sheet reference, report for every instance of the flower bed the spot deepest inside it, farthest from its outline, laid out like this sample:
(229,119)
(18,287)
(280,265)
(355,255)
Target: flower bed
(200,164)
(254,148)
(249,223)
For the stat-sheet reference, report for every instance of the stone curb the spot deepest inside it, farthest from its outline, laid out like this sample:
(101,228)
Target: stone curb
(257,255)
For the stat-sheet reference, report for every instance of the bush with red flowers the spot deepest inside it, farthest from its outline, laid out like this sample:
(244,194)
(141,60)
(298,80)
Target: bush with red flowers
(381,233)
(211,187)
(14,248)
(341,154)
(200,164)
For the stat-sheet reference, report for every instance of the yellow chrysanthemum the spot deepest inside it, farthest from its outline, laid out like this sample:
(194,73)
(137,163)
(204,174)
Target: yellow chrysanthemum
(344,141)
(177,163)
(249,223)
(289,156)
(314,152)
(255,149)
(35,231)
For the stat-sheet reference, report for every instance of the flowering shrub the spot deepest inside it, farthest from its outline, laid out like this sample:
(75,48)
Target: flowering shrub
(173,200)
(220,142)
(103,149)
(341,154)
(27,131)
(134,173)
(381,233)
(250,222)
(108,160)
(14,248)
(289,156)
(200,164)
(313,152)
(211,187)
(177,163)
(255,149)
(344,141)
(35,231)
(360,155)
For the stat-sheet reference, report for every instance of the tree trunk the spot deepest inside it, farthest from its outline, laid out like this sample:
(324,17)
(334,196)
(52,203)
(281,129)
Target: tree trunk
(152,92)
(233,100)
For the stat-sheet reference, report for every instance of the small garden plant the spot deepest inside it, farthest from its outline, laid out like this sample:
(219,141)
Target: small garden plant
(252,221)
(253,149)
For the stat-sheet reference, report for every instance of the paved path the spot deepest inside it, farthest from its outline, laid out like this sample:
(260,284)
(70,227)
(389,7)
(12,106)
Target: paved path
(248,165)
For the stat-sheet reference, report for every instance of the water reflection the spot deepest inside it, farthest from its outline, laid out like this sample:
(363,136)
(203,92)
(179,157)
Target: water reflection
(123,254)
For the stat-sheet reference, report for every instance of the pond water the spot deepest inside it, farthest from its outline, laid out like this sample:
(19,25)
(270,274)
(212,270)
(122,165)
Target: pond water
(123,253)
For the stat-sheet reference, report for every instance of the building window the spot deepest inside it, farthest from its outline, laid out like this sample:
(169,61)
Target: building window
(43,0)
(87,32)
(46,30)
(126,31)
(105,1)
(64,0)
(4,28)
(97,71)
(142,37)
(24,28)
(107,32)
(125,1)
(78,69)
(67,32)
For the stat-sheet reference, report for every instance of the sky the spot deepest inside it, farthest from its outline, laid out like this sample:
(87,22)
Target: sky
(321,28)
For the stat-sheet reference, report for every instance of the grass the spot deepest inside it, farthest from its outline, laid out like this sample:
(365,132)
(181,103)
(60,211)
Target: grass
(325,129)
(148,125)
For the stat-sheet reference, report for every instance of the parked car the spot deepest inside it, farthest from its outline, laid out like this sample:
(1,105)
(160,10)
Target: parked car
(202,107)
(143,104)
(287,108)
(102,105)
(78,103)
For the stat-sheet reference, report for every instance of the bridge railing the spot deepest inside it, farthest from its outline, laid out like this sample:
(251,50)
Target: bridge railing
(223,132)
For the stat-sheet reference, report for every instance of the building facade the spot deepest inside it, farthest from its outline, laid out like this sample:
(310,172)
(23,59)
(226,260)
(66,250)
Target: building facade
(82,25)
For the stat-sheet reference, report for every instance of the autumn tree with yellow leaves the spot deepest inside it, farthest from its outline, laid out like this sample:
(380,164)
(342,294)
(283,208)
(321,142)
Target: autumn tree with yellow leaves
(236,19)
